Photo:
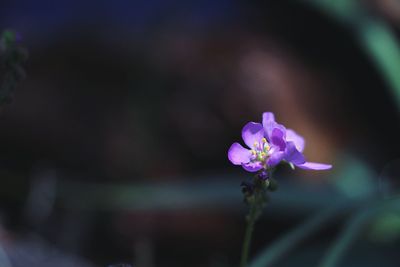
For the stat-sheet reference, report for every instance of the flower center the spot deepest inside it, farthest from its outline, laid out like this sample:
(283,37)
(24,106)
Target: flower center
(260,150)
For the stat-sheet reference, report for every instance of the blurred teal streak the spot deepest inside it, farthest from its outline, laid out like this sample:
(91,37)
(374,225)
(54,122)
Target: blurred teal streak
(375,36)
(149,197)
(273,252)
(345,10)
(207,192)
(4,260)
(277,249)
(344,240)
(354,226)
(381,44)
(351,180)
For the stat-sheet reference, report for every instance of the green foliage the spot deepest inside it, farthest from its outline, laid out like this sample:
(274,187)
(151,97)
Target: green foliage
(277,249)
(385,228)
(374,35)
(12,56)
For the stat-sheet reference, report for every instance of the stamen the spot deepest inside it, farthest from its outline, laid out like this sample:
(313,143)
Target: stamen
(264,140)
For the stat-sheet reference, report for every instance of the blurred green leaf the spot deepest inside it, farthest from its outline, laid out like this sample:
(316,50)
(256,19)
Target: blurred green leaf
(355,225)
(345,239)
(342,9)
(374,35)
(12,56)
(9,38)
(386,228)
(383,47)
(277,249)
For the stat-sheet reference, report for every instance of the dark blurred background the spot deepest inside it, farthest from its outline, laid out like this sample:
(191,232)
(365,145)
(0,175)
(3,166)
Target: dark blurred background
(114,146)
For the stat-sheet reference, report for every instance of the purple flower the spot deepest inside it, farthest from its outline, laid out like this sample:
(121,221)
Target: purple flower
(254,158)
(270,143)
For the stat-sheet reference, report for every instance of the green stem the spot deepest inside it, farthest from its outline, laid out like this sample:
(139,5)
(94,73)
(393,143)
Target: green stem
(250,221)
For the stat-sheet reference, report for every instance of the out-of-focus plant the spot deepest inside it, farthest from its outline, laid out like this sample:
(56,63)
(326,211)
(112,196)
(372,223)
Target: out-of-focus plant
(12,56)
(386,228)
(269,143)
(375,36)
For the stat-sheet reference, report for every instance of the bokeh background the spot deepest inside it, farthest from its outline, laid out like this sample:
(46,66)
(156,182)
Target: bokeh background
(113,149)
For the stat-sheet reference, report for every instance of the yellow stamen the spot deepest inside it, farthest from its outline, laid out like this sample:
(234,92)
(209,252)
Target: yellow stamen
(253,152)
(255,144)
(263,154)
(264,140)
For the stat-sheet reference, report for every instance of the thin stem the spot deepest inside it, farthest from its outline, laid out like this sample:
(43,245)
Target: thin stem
(250,221)
(255,196)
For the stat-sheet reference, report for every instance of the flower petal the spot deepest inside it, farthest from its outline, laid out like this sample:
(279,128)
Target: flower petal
(237,154)
(298,140)
(293,155)
(275,158)
(252,166)
(314,166)
(274,131)
(277,138)
(268,122)
(252,132)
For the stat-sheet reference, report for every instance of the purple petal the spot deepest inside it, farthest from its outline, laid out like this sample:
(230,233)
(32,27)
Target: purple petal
(268,118)
(314,166)
(237,154)
(293,155)
(252,132)
(275,158)
(298,140)
(273,129)
(252,166)
(277,138)
(268,122)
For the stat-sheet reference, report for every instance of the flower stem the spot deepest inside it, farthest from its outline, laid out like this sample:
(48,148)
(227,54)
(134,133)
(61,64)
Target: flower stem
(255,196)
(250,221)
